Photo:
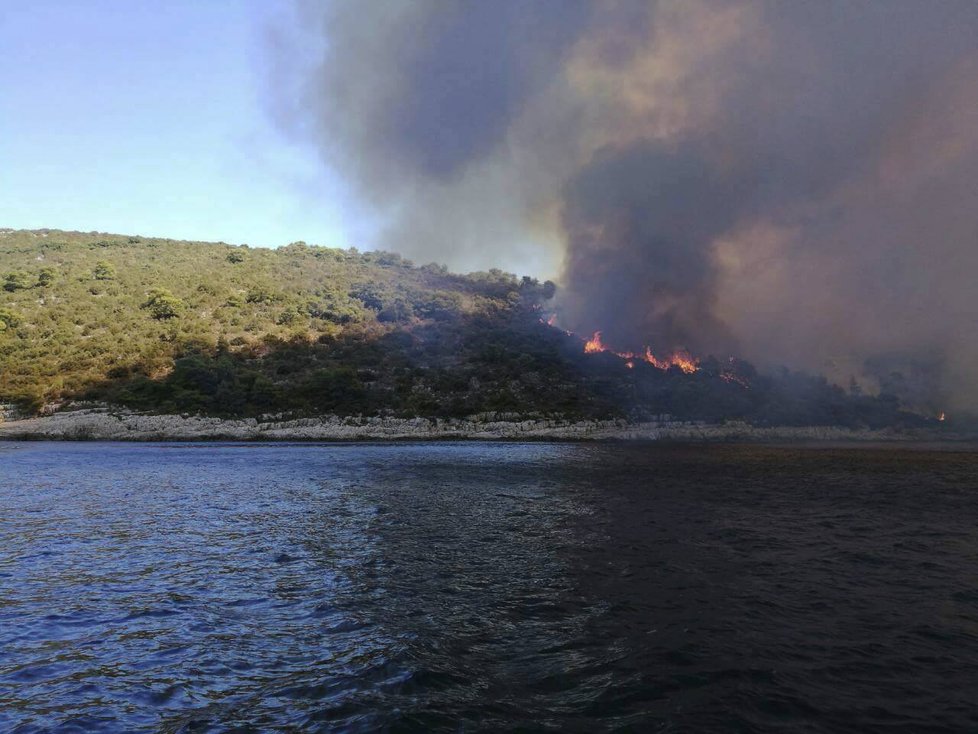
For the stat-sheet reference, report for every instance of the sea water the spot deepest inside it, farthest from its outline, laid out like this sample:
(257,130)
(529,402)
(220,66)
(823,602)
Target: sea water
(487,587)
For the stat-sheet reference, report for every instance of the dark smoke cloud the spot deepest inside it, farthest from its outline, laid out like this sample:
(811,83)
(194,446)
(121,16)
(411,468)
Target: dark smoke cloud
(793,181)
(640,224)
(427,88)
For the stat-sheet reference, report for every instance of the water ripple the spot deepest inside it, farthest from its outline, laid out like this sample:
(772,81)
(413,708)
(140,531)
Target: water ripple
(486,587)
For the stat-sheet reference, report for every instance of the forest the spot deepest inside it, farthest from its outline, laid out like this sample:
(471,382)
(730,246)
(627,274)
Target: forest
(168,326)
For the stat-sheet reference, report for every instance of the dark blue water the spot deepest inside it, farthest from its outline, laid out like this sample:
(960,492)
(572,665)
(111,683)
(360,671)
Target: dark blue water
(487,587)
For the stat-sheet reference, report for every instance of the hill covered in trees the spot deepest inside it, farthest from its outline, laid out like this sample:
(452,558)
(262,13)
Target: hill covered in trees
(169,326)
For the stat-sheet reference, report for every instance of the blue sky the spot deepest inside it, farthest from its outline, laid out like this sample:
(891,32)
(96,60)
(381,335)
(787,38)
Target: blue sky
(151,118)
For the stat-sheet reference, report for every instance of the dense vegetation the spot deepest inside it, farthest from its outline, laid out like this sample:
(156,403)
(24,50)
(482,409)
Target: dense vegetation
(175,326)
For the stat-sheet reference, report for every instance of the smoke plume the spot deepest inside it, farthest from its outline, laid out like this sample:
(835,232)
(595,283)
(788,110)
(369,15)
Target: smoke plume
(791,181)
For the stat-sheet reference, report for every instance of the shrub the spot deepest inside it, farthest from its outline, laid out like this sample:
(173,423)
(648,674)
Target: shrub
(261,294)
(16,281)
(162,304)
(288,316)
(45,277)
(8,319)
(103,270)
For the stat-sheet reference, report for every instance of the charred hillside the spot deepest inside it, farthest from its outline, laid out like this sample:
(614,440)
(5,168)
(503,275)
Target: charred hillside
(169,326)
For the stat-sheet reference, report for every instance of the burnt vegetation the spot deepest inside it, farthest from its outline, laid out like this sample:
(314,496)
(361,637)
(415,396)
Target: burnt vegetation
(166,326)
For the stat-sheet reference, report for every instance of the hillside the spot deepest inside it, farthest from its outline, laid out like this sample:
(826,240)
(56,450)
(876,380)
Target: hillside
(192,327)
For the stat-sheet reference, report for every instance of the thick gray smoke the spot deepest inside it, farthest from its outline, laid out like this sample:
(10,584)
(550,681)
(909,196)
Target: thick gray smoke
(794,182)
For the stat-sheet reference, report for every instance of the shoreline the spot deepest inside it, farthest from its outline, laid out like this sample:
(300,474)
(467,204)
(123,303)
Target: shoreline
(112,424)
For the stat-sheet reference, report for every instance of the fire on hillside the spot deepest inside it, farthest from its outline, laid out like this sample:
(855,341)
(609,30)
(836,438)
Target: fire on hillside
(679,359)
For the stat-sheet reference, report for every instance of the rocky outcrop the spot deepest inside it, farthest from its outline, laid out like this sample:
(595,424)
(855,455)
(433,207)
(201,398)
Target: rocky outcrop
(8,413)
(108,424)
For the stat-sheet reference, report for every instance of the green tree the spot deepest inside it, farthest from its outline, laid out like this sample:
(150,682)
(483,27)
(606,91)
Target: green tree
(104,270)
(17,281)
(441,305)
(162,304)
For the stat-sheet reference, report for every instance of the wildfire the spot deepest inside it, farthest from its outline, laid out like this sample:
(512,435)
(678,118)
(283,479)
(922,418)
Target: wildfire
(594,345)
(680,358)
(941,417)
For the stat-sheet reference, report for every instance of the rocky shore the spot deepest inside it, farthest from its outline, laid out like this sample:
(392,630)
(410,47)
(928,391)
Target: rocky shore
(111,424)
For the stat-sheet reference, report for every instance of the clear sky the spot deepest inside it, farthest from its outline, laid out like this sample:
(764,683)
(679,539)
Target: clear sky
(142,117)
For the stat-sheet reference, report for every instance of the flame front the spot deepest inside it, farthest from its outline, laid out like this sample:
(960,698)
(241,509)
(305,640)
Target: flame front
(594,345)
(680,358)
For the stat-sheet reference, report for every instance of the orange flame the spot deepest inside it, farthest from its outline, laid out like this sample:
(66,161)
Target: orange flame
(941,417)
(680,358)
(594,345)
(651,359)
(684,361)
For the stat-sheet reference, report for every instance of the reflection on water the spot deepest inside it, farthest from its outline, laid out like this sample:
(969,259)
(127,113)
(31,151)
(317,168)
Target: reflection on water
(486,587)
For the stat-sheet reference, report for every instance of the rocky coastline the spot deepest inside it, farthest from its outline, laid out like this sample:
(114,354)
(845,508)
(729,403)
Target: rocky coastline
(106,423)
